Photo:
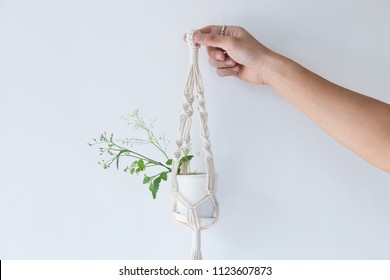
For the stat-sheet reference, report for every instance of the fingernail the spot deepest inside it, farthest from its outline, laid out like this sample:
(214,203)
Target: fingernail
(219,56)
(197,36)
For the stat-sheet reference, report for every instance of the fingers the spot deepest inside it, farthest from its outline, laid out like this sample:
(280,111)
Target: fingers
(213,40)
(209,36)
(230,71)
(219,61)
(211,29)
(224,64)
(216,53)
(216,29)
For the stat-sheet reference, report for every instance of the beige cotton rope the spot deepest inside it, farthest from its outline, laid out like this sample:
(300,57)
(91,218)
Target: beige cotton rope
(183,145)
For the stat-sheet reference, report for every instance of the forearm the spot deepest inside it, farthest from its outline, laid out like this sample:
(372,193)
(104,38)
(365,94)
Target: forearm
(359,122)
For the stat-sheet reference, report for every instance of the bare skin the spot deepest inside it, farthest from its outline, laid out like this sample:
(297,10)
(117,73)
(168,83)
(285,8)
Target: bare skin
(359,122)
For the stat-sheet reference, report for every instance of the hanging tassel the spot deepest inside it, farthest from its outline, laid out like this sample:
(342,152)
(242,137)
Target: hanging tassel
(196,252)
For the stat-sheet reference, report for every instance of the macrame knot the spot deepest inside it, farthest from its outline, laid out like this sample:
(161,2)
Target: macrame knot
(182,118)
(207,145)
(177,154)
(179,143)
(189,111)
(189,98)
(185,150)
(203,114)
(201,102)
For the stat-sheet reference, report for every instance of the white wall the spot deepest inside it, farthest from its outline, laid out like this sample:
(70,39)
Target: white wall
(71,69)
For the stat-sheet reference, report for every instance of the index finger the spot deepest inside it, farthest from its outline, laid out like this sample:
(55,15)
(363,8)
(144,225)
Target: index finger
(215,29)
(210,29)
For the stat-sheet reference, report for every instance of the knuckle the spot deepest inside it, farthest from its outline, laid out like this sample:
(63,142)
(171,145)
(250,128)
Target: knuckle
(240,28)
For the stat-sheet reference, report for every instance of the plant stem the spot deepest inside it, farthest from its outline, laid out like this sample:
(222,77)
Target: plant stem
(140,156)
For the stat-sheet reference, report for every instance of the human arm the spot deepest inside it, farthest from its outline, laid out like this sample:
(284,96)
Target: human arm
(359,122)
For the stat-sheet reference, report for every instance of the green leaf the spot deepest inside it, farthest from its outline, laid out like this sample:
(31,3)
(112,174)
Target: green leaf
(132,170)
(157,181)
(141,165)
(186,159)
(112,135)
(164,176)
(154,186)
(146,179)
(169,162)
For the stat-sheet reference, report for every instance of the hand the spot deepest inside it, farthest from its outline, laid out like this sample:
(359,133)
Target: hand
(246,58)
(359,122)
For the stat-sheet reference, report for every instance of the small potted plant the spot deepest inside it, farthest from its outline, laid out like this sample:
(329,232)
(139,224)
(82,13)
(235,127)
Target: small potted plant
(121,151)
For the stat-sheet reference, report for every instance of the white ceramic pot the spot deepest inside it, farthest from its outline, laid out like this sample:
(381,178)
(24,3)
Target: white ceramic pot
(193,188)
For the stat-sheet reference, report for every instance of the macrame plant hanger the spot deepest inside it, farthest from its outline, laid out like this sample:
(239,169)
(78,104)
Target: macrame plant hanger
(191,217)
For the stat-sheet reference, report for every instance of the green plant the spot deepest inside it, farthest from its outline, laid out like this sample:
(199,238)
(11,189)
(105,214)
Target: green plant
(136,162)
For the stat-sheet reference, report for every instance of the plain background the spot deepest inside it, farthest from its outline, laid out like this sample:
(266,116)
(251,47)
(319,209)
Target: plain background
(70,69)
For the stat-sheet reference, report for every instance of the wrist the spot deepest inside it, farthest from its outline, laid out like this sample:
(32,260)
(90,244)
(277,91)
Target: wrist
(275,69)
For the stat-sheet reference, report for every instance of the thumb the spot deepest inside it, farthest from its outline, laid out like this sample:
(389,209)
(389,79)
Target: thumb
(213,40)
